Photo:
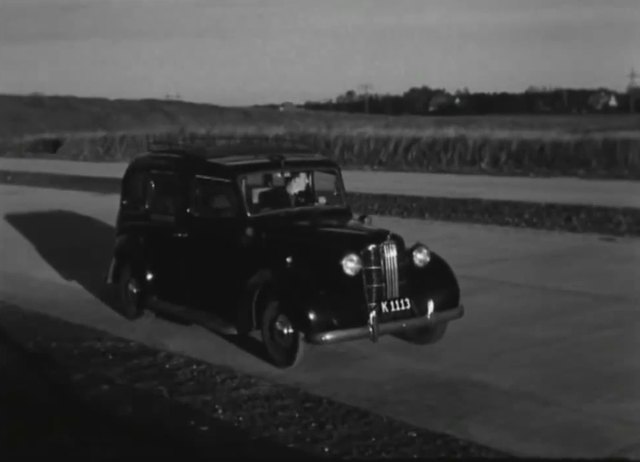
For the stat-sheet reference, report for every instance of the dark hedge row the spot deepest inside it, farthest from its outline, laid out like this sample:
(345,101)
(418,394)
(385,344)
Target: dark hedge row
(560,217)
(617,221)
(603,156)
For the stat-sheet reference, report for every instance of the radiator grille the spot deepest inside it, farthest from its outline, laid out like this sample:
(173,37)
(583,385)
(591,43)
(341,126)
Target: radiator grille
(389,258)
(380,273)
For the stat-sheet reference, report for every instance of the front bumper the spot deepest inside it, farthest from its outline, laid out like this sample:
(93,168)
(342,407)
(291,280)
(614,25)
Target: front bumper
(391,327)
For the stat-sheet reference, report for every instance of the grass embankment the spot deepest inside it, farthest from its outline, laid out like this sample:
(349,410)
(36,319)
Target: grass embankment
(602,146)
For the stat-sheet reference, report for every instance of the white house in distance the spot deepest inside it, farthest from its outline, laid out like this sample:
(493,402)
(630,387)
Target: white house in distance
(603,100)
(289,106)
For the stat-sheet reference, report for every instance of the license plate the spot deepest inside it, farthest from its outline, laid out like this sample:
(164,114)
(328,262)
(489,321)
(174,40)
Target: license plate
(396,305)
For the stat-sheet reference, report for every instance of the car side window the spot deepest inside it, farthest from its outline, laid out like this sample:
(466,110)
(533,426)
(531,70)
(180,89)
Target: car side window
(163,194)
(326,187)
(133,191)
(211,198)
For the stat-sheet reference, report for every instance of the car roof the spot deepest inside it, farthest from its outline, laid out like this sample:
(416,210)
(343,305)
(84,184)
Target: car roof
(230,160)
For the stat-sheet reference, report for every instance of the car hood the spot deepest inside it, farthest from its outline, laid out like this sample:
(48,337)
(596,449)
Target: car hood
(322,233)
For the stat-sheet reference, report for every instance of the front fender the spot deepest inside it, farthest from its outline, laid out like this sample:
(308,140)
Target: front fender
(437,282)
(289,287)
(315,303)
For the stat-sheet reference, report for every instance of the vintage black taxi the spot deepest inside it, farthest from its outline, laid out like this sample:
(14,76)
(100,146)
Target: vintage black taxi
(245,239)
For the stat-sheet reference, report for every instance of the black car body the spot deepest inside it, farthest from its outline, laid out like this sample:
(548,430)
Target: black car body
(196,235)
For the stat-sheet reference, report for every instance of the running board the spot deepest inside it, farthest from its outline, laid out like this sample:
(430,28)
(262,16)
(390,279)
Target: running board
(207,320)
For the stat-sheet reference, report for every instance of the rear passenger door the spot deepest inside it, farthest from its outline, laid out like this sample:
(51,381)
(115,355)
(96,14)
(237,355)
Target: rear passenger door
(214,256)
(166,236)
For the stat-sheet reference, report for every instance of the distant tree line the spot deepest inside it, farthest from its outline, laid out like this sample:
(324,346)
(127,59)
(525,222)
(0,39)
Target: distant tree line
(535,100)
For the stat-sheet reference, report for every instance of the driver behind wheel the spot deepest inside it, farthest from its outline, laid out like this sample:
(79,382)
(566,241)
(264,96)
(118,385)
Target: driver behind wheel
(294,193)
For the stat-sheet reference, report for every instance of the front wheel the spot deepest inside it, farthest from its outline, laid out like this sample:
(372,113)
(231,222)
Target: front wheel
(131,294)
(425,335)
(283,343)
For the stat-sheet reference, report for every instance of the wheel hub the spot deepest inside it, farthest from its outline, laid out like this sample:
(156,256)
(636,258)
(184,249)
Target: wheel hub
(283,330)
(133,289)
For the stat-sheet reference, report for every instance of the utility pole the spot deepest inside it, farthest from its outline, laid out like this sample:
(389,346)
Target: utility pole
(366,88)
(633,89)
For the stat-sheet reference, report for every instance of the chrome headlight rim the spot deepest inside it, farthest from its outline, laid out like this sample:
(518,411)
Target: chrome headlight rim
(351,264)
(421,255)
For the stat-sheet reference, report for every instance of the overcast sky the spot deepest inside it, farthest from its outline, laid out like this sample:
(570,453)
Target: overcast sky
(237,52)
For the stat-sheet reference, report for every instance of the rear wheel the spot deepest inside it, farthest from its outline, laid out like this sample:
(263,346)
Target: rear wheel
(425,335)
(283,343)
(131,294)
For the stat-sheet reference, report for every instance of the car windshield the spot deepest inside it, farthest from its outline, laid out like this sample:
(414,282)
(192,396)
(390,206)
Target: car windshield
(268,191)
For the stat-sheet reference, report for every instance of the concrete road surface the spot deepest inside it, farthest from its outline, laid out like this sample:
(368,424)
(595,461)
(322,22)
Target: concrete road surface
(544,363)
(613,193)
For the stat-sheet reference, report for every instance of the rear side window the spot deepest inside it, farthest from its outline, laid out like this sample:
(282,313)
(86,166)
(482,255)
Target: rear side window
(134,191)
(210,198)
(164,194)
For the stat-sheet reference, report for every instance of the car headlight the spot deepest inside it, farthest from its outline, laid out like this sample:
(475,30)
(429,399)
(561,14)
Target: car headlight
(351,264)
(421,256)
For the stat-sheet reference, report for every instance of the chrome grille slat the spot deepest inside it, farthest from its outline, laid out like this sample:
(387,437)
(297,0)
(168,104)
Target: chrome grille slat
(396,273)
(372,276)
(387,270)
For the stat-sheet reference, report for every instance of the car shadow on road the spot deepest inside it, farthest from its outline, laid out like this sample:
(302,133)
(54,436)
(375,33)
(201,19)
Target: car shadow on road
(249,344)
(79,248)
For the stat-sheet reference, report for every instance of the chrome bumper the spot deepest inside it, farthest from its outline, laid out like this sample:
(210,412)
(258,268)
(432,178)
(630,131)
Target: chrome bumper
(391,327)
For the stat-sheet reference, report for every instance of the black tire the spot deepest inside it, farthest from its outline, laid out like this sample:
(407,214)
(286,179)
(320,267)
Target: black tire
(131,292)
(425,335)
(253,295)
(283,343)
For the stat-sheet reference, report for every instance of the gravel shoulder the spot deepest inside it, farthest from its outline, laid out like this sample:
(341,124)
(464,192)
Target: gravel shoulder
(69,389)
(49,407)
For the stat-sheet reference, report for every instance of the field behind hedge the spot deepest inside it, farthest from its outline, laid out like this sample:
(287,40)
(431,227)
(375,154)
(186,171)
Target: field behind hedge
(597,146)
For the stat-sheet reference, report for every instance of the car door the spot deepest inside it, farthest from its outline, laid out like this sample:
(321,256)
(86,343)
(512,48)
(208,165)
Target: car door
(166,234)
(215,256)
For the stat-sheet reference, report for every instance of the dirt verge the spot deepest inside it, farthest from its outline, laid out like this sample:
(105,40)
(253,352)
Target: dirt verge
(186,403)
